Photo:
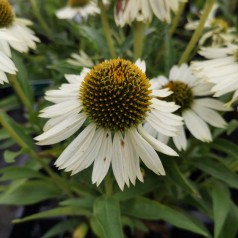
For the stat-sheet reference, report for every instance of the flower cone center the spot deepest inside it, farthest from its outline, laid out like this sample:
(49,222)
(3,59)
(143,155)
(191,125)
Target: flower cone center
(78,3)
(221,24)
(6,14)
(182,94)
(115,95)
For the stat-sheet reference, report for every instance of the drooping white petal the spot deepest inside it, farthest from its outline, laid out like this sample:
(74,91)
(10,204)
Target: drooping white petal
(76,148)
(157,145)
(146,152)
(61,109)
(118,160)
(103,161)
(133,161)
(90,154)
(197,126)
(61,131)
(209,115)
(180,141)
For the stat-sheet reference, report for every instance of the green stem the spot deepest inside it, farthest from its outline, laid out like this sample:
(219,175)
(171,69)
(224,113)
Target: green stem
(20,142)
(41,20)
(177,18)
(106,29)
(198,32)
(171,31)
(138,39)
(16,85)
(108,185)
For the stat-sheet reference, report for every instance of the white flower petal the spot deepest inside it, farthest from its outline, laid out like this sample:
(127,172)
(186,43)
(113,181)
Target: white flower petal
(157,145)
(61,131)
(146,152)
(103,161)
(197,126)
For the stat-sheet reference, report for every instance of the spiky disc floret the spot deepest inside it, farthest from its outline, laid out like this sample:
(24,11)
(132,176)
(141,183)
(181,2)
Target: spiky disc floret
(115,95)
(182,94)
(78,3)
(6,14)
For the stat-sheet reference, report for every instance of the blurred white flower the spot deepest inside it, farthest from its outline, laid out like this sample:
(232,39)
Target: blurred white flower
(196,107)
(79,8)
(81,60)
(6,66)
(220,69)
(115,99)
(217,29)
(15,28)
(128,11)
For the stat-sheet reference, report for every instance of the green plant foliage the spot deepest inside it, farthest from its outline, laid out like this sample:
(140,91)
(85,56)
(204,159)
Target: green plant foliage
(198,192)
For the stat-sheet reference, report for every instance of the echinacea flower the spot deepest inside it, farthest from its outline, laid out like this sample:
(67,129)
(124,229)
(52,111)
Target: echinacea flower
(128,11)
(196,106)
(81,8)
(217,29)
(115,98)
(16,28)
(220,69)
(6,66)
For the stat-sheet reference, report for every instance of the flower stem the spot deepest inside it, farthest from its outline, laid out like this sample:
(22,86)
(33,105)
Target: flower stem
(16,85)
(198,32)
(41,20)
(177,18)
(58,181)
(106,29)
(108,185)
(138,39)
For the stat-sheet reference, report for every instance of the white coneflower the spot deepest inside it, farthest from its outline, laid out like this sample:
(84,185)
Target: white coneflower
(221,69)
(217,29)
(15,28)
(196,107)
(115,99)
(81,60)
(128,11)
(81,8)
(6,66)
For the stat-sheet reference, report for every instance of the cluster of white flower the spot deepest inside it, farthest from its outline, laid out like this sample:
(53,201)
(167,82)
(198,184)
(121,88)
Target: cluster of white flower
(129,117)
(15,33)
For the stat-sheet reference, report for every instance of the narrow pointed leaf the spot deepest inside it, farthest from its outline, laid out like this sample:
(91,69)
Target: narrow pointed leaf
(221,205)
(107,213)
(59,211)
(145,208)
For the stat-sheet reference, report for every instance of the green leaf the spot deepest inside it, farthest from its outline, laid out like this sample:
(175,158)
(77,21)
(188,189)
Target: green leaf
(9,103)
(17,131)
(173,172)
(134,224)
(145,208)
(10,156)
(150,184)
(22,75)
(59,211)
(230,227)
(61,227)
(226,146)
(96,227)
(221,205)
(107,212)
(215,169)
(3,134)
(30,192)
(232,126)
(18,172)
(86,202)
